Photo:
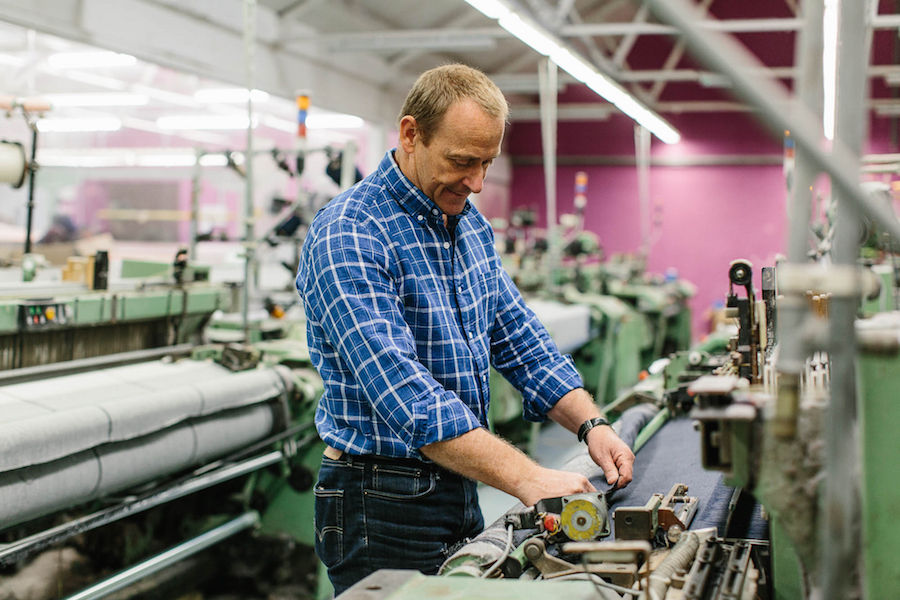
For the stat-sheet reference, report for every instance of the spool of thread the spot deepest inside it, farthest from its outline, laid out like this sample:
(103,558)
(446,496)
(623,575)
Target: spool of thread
(12,163)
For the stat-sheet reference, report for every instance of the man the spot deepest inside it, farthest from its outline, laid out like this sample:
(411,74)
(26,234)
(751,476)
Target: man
(407,308)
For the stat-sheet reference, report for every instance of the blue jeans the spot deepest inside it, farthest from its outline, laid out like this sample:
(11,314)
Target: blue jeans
(377,513)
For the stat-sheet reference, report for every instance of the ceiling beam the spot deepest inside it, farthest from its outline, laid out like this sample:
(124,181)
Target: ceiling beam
(414,36)
(213,47)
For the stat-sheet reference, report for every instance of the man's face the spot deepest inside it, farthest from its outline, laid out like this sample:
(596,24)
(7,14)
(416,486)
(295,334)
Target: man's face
(455,160)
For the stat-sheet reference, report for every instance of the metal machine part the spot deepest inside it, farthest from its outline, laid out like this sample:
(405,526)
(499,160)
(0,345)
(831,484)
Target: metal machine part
(582,517)
(723,571)
(671,514)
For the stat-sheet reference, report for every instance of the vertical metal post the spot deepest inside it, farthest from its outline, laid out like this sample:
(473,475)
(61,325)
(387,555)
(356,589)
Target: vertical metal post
(348,165)
(32,171)
(792,309)
(195,205)
(642,161)
(249,234)
(547,78)
(841,502)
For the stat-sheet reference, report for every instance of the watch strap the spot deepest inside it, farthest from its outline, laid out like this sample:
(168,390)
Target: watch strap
(588,425)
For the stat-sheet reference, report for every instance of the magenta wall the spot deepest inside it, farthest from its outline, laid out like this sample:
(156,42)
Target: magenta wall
(705,216)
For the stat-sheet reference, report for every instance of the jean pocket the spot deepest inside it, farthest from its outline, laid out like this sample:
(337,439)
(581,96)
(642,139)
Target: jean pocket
(393,482)
(329,524)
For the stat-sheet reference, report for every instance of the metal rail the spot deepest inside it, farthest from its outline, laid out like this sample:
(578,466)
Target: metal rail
(165,559)
(11,553)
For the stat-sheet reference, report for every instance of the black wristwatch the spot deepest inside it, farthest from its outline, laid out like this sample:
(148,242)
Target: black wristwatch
(588,425)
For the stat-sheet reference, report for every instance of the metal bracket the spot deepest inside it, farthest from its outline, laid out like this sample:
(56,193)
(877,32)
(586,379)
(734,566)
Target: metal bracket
(671,513)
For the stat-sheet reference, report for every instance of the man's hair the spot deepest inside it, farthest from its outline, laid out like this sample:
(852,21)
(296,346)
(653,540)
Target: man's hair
(437,89)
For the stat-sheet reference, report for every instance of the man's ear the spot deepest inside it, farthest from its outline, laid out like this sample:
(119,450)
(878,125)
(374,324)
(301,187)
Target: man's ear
(409,131)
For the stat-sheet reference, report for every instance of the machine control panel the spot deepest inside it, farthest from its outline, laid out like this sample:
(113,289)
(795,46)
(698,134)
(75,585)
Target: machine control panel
(43,314)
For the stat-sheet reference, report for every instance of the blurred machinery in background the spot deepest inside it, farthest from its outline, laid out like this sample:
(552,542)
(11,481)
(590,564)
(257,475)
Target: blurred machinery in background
(130,446)
(611,316)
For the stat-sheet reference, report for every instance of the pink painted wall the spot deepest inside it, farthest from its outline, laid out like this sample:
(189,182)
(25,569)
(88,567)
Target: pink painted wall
(705,216)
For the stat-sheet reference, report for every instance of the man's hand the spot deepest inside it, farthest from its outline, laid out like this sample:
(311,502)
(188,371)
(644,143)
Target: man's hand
(550,483)
(611,454)
(605,447)
(481,455)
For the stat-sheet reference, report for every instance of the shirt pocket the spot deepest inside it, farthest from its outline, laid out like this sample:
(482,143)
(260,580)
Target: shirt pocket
(400,483)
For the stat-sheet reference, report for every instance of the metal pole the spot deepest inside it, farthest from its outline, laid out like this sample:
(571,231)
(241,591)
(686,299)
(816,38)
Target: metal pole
(793,309)
(840,525)
(348,165)
(642,161)
(249,237)
(547,77)
(10,553)
(195,205)
(728,57)
(169,557)
(32,170)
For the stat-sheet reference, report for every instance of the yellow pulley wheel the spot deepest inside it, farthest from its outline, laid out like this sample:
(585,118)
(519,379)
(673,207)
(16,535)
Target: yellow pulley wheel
(583,518)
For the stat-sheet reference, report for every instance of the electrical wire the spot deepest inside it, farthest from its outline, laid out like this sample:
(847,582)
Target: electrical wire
(504,556)
(598,582)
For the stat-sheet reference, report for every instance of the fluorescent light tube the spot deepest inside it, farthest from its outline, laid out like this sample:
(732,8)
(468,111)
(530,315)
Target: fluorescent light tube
(229,96)
(79,125)
(333,121)
(829,65)
(492,9)
(193,122)
(529,34)
(90,60)
(99,99)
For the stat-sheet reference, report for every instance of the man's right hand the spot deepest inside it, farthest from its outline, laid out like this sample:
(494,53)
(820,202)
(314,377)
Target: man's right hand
(485,457)
(550,483)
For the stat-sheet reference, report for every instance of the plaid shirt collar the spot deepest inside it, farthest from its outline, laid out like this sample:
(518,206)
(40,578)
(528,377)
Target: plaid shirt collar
(412,199)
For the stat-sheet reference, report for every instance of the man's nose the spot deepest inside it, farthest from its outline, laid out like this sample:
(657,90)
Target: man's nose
(475,180)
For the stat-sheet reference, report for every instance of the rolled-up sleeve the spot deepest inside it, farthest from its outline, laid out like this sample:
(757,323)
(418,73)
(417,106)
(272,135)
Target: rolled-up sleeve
(524,353)
(351,297)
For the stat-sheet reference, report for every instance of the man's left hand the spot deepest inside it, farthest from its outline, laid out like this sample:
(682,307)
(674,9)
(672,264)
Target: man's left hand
(612,455)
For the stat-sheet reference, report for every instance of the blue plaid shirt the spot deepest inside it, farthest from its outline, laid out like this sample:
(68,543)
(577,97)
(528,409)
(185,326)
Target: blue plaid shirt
(405,319)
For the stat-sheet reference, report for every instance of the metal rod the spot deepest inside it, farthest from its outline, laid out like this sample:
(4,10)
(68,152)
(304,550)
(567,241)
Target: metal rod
(650,429)
(165,559)
(547,75)
(89,364)
(196,176)
(841,502)
(642,161)
(32,171)
(725,55)
(11,553)
(249,237)
(793,310)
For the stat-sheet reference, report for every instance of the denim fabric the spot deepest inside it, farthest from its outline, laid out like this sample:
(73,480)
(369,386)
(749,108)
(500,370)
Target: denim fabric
(376,513)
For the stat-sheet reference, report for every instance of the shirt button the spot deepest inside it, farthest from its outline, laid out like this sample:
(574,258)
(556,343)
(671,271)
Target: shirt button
(435,212)
(420,217)
(484,379)
(446,245)
(459,290)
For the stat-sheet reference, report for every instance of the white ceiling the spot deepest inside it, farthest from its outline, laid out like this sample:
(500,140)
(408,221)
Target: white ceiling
(360,56)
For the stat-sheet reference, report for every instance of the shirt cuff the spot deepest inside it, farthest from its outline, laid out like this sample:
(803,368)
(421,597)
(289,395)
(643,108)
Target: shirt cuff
(548,386)
(441,418)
